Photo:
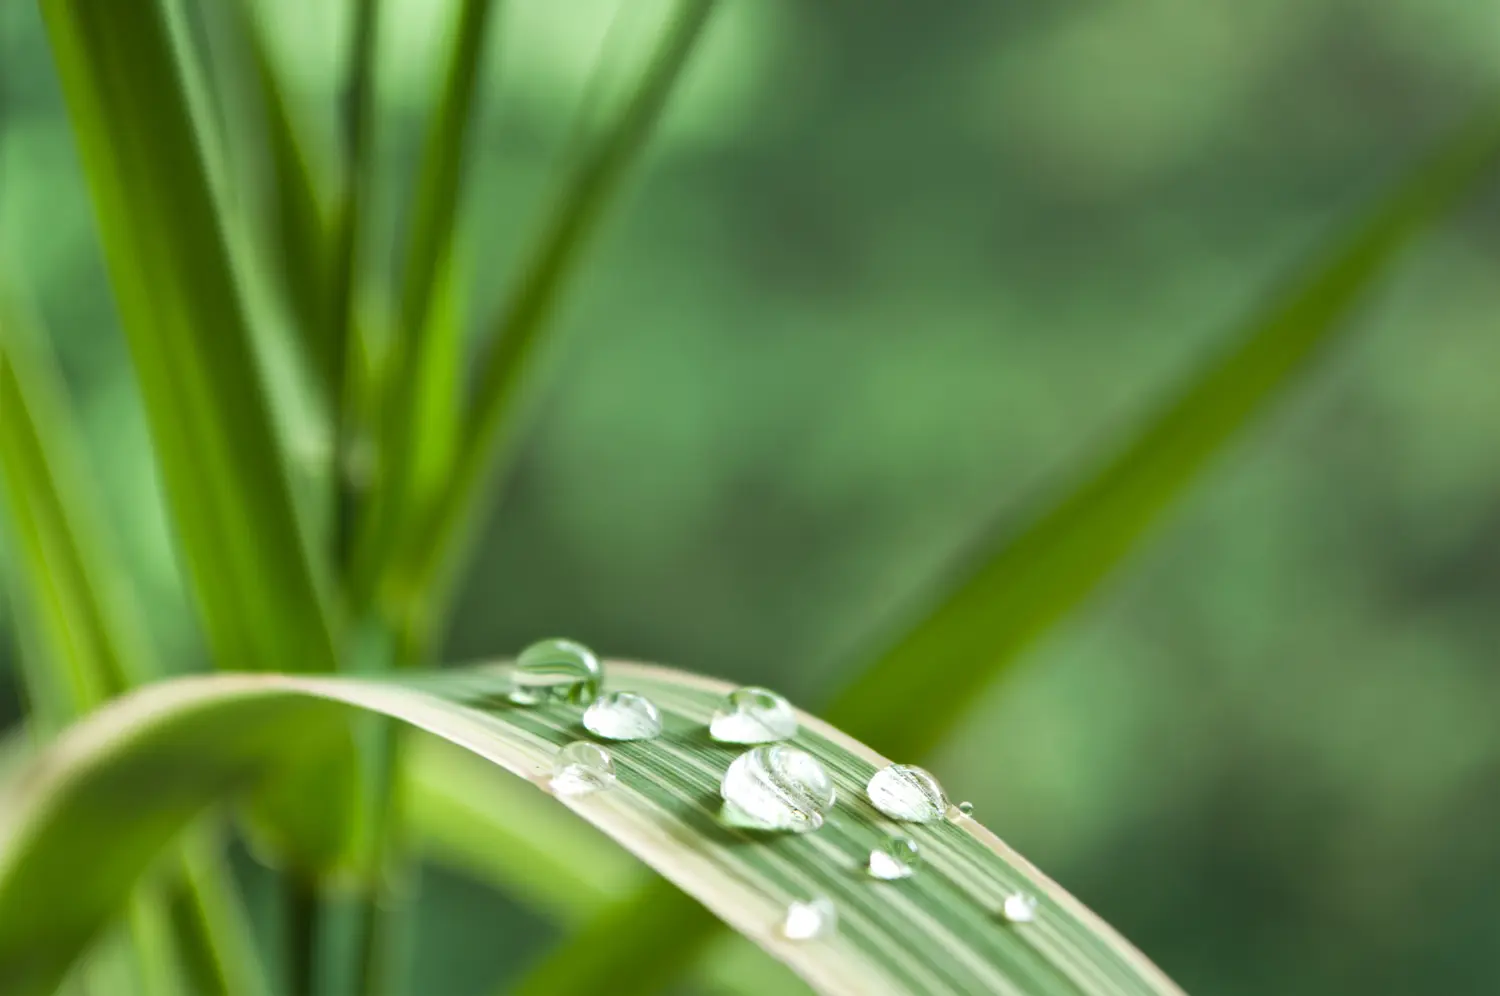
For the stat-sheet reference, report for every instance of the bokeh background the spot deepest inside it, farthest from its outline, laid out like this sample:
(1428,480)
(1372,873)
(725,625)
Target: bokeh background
(896,269)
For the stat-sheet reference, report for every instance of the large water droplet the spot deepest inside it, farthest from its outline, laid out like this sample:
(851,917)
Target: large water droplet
(906,792)
(753,716)
(581,768)
(812,919)
(623,716)
(896,859)
(556,670)
(1019,908)
(777,788)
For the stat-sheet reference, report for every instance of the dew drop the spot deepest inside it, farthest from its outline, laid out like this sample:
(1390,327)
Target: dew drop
(810,920)
(777,788)
(753,716)
(556,671)
(623,716)
(581,768)
(896,859)
(966,808)
(1019,908)
(906,792)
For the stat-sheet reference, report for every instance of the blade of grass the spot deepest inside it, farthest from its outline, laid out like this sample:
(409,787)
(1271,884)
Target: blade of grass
(1018,585)
(407,578)
(422,411)
(912,696)
(81,603)
(302,218)
(937,932)
(223,466)
(357,120)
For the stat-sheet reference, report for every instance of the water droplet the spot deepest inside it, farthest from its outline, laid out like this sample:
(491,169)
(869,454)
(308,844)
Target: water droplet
(906,792)
(965,808)
(810,920)
(1019,908)
(623,716)
(896,859)
(556,671)
(753,716)
(581,768)
(777,788)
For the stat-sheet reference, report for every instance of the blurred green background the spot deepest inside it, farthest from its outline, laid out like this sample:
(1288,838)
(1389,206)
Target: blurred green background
(892,272)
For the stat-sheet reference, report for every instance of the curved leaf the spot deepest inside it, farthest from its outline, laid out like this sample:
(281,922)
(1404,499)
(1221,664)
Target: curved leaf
(194,740)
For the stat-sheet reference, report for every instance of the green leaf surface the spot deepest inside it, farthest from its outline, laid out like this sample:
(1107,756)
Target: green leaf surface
(409,576)
(1020,584)
(182,306)
(195,740)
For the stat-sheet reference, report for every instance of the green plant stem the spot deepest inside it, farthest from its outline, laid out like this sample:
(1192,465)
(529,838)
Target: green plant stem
(357,119)
(300,922)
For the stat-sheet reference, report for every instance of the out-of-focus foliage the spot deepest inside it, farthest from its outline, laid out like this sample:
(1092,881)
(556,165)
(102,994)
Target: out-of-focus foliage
(892,274)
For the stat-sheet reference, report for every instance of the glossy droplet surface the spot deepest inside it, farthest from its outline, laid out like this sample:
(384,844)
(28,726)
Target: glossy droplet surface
(581,768)
(623,716)
(896,859)
(753,716)
(966,808)
(810,920)
(905,792)
(777,788)
(556,671)
(1019,908)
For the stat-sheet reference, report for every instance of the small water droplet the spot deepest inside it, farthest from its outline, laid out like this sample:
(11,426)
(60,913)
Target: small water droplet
(966,808)
(906,792)
(623,716)
(581,768)
(777,788)
(753,716)
(1019,908)
(896,859)
(810,920)
(556,671)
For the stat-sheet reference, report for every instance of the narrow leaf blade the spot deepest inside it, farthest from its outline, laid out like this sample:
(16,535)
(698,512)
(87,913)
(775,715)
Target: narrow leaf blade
(910,698)
(190,336)
(937,932)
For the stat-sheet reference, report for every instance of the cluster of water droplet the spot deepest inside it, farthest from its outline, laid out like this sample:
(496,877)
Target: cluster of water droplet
(770,787)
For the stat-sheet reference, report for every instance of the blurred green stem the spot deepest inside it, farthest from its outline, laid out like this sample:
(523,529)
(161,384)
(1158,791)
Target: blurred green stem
(300,906)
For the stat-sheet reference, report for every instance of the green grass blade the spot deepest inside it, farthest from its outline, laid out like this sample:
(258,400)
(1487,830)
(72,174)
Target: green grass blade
(420,423)
(358,119)
(471,818)
(911,697)
(936,932)
(80,598)
(427,560)
(302,218)
(170,262)
(81,606)
(914,694)
(425,401)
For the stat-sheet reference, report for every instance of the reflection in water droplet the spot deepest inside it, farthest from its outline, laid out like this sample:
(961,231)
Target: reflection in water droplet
(906,792)
(556,671)
(623,716)
(812,919)
(581,768)
(966,808)
(896,859)
(777,788)
(1019,908)
(753,716)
